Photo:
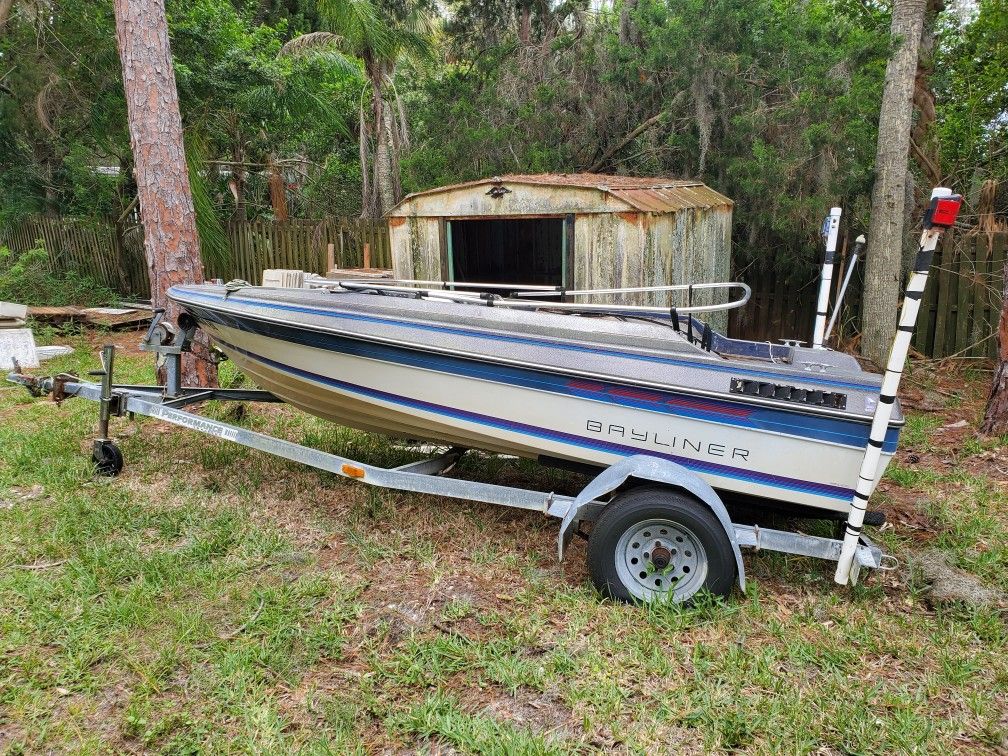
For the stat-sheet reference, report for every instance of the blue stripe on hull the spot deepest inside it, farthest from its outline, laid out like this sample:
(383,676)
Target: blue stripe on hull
(835,430)
(700,466)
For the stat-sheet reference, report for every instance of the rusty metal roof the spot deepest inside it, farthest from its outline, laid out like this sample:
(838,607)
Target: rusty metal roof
(646,194)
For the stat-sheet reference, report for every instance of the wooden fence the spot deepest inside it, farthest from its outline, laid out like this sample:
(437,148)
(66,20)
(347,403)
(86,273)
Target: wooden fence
(958,316)
(114,254)
(90,248)
(303,245)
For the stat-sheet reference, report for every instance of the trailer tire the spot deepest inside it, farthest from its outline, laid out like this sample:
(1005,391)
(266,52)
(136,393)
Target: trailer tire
(657,543)
(107,459)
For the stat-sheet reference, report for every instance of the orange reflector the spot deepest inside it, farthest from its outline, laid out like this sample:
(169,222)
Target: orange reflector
(352,471)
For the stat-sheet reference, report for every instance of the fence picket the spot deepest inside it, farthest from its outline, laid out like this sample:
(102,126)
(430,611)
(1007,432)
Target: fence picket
(963,299)
(998,273)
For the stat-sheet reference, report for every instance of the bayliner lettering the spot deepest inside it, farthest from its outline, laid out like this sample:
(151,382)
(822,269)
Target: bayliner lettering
(667,441)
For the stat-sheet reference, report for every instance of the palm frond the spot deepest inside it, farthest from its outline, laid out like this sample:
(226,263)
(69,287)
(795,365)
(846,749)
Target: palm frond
(333,58)
(215,250)
(364,27)
(311,41)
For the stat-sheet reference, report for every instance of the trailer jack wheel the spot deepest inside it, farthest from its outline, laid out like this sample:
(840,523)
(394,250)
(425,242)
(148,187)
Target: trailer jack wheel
(658,544)
(107,458)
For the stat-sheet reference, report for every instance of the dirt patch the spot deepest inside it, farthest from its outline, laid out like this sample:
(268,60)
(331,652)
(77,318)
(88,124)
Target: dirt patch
(903,511)
(950,584)
(127,342)
(545,713)
(10,736)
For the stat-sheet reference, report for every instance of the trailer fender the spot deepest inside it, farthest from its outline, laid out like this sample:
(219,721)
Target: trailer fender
(646,467)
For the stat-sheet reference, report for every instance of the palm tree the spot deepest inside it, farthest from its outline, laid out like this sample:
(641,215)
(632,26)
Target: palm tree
(379,38)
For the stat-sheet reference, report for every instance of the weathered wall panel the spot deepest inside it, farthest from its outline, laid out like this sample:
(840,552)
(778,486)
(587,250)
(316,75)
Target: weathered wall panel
(416,249)
(690,246)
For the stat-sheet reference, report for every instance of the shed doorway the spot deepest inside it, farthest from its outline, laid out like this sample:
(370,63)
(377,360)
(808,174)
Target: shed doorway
(530,251)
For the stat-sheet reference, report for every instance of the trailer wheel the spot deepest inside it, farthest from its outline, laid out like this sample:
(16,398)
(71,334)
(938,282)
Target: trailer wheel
(107,458)
(656,543)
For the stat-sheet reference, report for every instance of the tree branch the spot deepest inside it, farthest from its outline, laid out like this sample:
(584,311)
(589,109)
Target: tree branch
(602,161)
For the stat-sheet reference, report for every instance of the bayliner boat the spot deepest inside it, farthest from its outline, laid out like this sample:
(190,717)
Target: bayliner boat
(544,374)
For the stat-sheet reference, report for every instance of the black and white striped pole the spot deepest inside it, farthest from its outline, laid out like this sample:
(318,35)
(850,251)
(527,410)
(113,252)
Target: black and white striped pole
(859,245)
(830,230)
(941,214)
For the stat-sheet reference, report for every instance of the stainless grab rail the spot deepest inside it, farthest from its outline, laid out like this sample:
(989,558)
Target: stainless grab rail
(521,296)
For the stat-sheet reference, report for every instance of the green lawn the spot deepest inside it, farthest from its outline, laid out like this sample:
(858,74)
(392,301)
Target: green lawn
(217,599)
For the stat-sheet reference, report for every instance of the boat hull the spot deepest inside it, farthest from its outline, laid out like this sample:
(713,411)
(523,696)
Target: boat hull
(408,393)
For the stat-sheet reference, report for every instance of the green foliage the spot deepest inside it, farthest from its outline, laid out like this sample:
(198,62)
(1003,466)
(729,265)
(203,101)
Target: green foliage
(26,278)
(62,111)
(971,82)
(772,102)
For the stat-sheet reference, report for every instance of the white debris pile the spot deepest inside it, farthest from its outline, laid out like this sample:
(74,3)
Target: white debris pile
(12,315)
(17,343)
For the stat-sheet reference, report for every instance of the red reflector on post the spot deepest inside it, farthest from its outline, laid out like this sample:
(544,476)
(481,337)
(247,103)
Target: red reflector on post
(943,211)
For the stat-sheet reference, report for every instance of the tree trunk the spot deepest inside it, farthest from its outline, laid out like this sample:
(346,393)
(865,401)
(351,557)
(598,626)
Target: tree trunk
(155,127)
(386,164)
(923,144)
(628,32)
(237,182)
(525,25)
(379,194)
(277,189)
(5,9)
(883,269)
(363,144)
(996,415)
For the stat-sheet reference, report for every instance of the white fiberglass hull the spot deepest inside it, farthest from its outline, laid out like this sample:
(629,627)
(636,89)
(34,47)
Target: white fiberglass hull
(416,402)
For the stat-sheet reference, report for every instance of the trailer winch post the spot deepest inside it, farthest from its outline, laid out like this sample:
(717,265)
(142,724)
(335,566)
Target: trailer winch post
(830,230)
(941,214)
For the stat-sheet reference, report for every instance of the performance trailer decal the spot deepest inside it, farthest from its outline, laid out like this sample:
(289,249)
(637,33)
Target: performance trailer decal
(666,441)
(194,423)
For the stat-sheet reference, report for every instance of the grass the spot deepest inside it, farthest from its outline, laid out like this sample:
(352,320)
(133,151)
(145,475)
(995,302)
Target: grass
(213,598)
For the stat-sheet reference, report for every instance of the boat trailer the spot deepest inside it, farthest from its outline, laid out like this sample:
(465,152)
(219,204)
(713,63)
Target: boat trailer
(169,403)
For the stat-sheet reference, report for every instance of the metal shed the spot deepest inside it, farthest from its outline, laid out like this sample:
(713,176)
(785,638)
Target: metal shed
(580,230)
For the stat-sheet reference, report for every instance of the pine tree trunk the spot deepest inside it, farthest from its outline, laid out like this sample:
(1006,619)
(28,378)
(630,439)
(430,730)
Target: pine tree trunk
(996,415)
(883,267)
(155,128)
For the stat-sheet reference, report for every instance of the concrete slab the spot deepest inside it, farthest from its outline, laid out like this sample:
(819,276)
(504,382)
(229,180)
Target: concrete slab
(17,344)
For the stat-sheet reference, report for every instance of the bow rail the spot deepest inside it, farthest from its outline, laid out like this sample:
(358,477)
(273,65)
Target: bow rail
(521,296)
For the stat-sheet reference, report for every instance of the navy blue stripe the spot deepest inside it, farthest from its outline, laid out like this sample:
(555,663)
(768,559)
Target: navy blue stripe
(711,468)
(340,314)
(835,430)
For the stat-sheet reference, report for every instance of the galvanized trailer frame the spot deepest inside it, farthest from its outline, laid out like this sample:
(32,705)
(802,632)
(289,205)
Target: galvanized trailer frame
(427,476)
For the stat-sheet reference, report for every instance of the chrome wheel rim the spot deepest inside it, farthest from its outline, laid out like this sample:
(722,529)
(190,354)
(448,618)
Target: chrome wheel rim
(661,559)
